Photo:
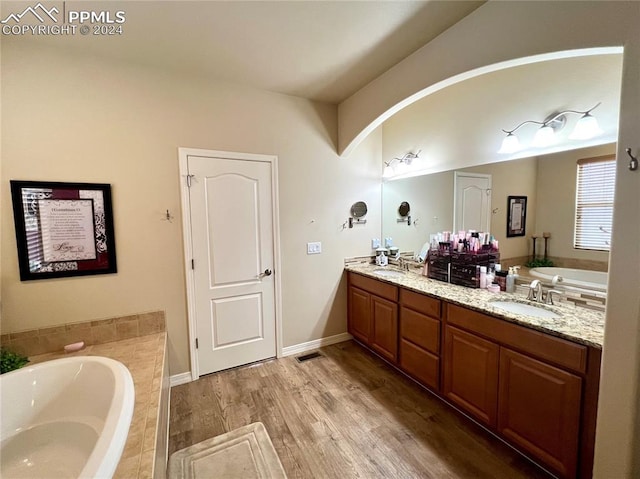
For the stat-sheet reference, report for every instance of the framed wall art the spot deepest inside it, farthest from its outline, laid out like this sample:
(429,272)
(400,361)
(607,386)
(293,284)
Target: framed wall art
(63,229)
(516,215)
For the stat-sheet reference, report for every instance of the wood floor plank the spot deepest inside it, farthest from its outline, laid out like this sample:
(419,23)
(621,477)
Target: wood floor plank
(346,414)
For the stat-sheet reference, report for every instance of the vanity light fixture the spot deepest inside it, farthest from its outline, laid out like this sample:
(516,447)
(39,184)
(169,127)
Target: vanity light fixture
(398,166)
(587,127)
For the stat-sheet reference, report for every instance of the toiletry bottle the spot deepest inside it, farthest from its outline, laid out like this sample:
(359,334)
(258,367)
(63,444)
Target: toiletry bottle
(511,281)
(490,277)
(501,279)
(483,277)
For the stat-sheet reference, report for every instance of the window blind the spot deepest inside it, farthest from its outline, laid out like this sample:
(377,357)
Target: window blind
(596,180)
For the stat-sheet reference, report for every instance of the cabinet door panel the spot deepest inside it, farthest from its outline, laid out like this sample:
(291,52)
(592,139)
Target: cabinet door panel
(420,330)
(420,364)
(539,410)
(471,374)
(359,318)
(384,336)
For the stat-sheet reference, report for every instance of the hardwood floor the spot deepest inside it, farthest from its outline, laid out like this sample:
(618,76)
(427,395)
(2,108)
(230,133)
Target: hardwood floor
(346,414)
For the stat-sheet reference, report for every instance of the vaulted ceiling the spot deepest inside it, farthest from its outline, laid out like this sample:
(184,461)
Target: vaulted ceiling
(322,50)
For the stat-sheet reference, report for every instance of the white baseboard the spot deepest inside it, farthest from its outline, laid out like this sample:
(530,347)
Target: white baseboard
(183,378)
(178,379)
(315,344)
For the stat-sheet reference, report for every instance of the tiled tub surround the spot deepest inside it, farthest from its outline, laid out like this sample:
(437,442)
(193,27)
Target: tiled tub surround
(49,340)
(145,452)
(581,325)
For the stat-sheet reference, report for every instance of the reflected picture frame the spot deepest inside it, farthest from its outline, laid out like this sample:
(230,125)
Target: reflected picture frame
(516,216)
(63,229)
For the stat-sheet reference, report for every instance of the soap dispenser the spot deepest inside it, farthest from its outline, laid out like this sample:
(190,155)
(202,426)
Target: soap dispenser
(511,281)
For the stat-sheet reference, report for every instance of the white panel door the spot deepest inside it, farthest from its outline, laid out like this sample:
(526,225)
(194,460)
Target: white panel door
(233,251)
(472,202)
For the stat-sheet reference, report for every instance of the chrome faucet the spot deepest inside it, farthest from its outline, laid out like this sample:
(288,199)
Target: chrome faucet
(535,291)
(548,299)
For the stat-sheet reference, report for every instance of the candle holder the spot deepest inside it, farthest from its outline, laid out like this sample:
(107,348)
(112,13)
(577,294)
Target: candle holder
(546,237)
(534,238)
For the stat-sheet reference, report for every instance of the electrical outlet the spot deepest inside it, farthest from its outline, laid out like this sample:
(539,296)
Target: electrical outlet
(375,243)
(314,248)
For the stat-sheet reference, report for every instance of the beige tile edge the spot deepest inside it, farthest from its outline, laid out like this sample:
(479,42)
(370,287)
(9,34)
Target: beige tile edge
(53,339)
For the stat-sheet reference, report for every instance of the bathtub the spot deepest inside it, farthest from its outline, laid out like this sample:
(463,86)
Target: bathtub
(67,418)
(579,278)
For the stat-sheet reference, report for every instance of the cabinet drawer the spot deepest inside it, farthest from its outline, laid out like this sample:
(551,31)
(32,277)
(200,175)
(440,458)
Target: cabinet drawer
(421,303)
(420,330)
(559,351)
(420,364)
(374,286)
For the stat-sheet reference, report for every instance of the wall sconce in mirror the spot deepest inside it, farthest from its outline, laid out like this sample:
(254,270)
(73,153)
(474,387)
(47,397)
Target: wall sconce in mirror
(398,166)
(358,211)
(587,127)
(403,210)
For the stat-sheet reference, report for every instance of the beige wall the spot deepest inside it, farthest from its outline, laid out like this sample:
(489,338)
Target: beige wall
(511,178)
(431,200)
(69,118)
(461,125)
(557,200)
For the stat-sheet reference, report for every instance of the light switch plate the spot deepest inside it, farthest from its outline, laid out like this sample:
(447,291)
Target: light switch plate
(314,248)
(375,243)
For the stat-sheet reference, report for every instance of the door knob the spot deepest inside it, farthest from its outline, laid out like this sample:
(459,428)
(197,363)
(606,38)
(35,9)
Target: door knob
(267,272)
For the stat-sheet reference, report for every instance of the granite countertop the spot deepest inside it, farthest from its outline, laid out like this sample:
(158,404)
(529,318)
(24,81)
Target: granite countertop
(144,356)
(576,324)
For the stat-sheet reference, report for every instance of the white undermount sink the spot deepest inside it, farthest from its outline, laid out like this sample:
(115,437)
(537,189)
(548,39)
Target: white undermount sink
(526,309)
(389,273)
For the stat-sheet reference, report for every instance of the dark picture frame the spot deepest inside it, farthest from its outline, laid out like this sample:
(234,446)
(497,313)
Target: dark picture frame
(63,229)
(516,215)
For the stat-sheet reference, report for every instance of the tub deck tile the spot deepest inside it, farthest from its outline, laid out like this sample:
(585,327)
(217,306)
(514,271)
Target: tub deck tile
(144,356)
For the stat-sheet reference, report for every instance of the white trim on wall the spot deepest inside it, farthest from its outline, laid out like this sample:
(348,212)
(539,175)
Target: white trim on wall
(183,378)
(315,344)
(178,379)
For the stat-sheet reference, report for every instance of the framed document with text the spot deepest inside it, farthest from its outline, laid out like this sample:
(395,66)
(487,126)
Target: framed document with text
(516,215)
(63,229)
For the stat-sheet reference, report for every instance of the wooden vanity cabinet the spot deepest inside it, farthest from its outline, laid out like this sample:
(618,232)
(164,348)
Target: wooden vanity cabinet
(539,410)
(537,391)
(373,315)
(420,337)
(531,397)
(471,374)
(384,333)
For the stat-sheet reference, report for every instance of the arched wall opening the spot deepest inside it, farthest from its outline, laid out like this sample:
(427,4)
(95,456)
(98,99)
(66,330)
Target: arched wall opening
(468,75)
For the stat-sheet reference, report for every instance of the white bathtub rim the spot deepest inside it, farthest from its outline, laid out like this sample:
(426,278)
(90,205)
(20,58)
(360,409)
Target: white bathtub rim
(105,455)
(104,465)
(548,272)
